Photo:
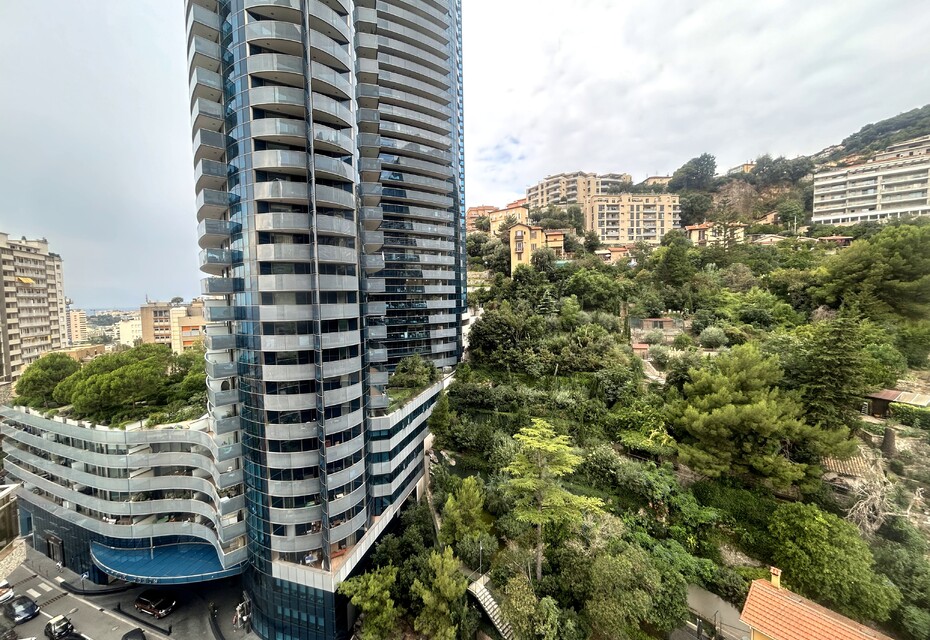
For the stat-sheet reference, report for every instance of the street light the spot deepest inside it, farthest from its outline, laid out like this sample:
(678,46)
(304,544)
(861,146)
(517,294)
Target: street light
(480,550)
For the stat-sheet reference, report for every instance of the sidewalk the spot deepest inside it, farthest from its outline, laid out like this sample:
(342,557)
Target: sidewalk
(47,568)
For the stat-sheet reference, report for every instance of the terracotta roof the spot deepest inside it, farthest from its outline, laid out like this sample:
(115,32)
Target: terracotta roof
(856,466)
(783,615)
(885,394)
(703,225)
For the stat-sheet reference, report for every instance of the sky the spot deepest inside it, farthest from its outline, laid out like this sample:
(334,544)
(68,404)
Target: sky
(95,140)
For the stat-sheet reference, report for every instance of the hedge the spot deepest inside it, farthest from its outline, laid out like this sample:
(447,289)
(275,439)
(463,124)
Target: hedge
(911,416)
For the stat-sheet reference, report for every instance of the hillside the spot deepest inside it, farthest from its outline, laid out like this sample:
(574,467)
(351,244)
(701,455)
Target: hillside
(878,135)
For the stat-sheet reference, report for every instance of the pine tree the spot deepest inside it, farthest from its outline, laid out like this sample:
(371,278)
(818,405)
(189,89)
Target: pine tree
(442,596)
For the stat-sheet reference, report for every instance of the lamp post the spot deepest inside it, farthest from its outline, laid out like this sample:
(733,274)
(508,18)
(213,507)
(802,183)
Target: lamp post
(480,551)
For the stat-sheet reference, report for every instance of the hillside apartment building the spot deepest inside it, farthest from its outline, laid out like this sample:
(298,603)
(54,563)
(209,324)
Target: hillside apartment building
(576,187)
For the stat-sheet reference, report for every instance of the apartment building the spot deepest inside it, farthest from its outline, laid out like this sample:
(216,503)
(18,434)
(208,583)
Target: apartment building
(77,326)
(473,213)
(574,187)
(627,218)
(516,210)
(329,178)
(893,184)
(525,239)
(32,317)
(657,181)
(715,233)
(129,332)
(187,326)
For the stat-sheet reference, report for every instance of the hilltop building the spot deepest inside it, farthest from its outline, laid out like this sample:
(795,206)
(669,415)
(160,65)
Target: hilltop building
(515,210)
(33,320)
(473,213)
(627,218)
(893,184)
(329,179)
(575,187)
(525,239)
(715,233)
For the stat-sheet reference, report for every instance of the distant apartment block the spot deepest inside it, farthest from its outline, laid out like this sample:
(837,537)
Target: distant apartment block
(740,169)
(32,318)
(574,187)
(156,322)
(626,218)
(187,326)
(473,213)
(654,181)
(525,239)
(893,184)
(77,326)
(129,331)
(515,210)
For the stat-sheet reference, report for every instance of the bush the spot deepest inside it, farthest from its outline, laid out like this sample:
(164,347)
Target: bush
(659,355)
(749,513)
(911,416)
(713,338)
(656,336)
(682,342)
(477,548)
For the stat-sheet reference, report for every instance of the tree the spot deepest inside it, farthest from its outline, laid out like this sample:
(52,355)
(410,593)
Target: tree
(441,421)
(713,338)
(543,260)
(694,207)
(442,596)
(371,593)
(483,224)
(622,593)
(595,290)
(824,558)
(519,606)
(696,173)
(463,514)
(790,214)
(734,420)
(38,382)
(539,498)
(672,267)
(592,241)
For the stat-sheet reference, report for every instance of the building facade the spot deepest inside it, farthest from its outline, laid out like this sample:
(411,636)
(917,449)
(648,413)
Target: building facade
(627,218)
(330,195)
(77,326)
(514,211)
(473,213)
(525,239)
(156,322)
(574,187)
(894,184)
(715,233)
(32,319)
(187,326)
(129,332)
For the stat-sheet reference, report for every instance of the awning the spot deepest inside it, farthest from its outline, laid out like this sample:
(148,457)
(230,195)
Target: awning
(24,280)
(182,563)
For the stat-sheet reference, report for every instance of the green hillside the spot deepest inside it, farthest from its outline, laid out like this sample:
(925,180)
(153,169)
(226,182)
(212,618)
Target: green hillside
(878,135)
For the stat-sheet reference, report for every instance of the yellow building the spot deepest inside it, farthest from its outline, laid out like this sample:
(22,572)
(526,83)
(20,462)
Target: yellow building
(653,181)
(473,213)
(627,218)
(516,209)
(187,326)
(576,187)
(712,233)
(525,239)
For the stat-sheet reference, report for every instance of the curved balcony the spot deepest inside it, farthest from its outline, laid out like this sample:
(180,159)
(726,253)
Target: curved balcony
(210,174)
(338,311)
(342,503)
(401,179)
(333,225)
(206,114)
(284,37)
(215,261)
(327,139)
(341,367)
(336,198)
(329,52)
(282,221)
(219,341)
(287,488)
(287,372)
(277,67)
(372,263)
(285,282)
(204,53)
(209,144)
(212,204)
(343,422)
(281,161)
(332,168)
(416,150)
(288,10)
(296,544)
(329,111)
(281,131)
(285,100)
(217,370)
(286,312)
(293,402)
(213,233)
(328,22)
(280,191)
(347,475)
(205,85)
(329,253)
(414,70)
(335,397)
(338,283)
(399,97)
(415,134)
(202,23)
(330,81)
(220,286)
(419,25)
(304,515)
(284,252)
(410,85)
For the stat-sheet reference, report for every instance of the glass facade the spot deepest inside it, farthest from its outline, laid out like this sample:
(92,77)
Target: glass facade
(329,163)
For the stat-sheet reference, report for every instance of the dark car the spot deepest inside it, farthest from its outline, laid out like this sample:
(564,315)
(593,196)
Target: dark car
(156,603)
(20,609)
(58,627)
(135,634)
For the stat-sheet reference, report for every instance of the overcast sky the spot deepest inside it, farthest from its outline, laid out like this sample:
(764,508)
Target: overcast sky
(95,132)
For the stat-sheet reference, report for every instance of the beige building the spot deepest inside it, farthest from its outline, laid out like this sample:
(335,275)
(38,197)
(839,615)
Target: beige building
(627,218)
(574,187)
(129,331)
(77,326)
(187,326)
(156,322)
(516,209)
(654,181)
(32,318)
(893,184)
(525,239)
(473,213)
(739,169)
(713,233)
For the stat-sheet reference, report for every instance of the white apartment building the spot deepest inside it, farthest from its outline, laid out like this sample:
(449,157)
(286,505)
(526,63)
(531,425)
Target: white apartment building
(626,218)
(893,184)
(32,318)
(77,326)
(574,187)
(129,331)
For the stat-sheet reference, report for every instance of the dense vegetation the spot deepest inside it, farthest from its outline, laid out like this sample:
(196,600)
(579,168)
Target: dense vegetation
(573,482)
(878,135)
(144,382)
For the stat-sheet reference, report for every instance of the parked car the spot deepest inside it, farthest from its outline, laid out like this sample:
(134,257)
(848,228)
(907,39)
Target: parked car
(6,591)
(58,627)
(135,634)
(20,609)
(156,603)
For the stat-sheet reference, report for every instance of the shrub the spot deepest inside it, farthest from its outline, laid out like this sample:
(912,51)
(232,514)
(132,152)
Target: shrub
(682,342)
(659,355)
(911,416)
(656,336)
(713,338)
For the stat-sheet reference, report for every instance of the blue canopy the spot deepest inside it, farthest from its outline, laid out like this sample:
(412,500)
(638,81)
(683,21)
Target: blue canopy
(167,564)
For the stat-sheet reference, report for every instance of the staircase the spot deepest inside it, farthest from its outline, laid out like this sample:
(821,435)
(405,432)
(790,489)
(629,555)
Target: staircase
(487,602)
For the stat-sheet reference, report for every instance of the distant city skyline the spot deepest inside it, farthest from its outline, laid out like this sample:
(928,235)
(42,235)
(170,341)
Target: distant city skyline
(98,151)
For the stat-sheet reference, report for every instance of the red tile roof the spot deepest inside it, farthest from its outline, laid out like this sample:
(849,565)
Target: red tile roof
(783,615)
(885,394)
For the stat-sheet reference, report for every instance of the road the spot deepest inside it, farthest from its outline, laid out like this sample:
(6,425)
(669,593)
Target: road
(90,618)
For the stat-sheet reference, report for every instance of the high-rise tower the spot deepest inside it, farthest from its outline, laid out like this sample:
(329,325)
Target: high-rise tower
(330,176)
